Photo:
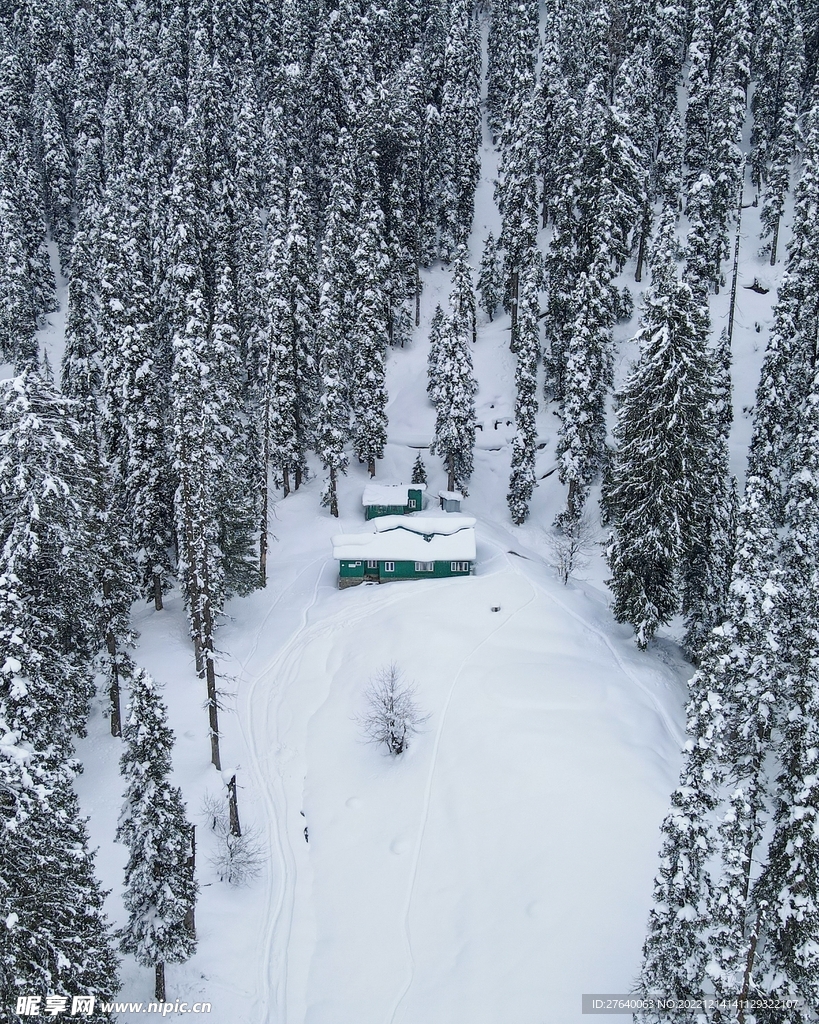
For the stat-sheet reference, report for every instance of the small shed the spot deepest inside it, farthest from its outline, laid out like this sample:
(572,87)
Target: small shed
(451,500)
(407,549)
(392,499)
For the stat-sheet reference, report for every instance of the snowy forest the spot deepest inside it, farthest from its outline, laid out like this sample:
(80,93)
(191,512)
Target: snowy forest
(234,236)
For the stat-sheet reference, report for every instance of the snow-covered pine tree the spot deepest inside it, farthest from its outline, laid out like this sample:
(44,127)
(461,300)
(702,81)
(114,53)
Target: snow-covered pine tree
(461,126)
(779,62)
(522,480)
(48,565)
(435,334)
(419,471)
(160,888)
(659,487)
(334,337)
(369,331)
(587,381)
(18,316)
(454,400)
(462,296)
(56,939)
(490,284)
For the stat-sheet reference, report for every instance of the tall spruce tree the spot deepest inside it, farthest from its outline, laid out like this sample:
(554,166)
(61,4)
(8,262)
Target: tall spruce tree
(524,446)
(160,888)
(658,490)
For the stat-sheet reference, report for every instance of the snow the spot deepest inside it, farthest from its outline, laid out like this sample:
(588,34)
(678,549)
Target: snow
(451,495)
(503,865)
(430,521)
(407,545)
(389,494)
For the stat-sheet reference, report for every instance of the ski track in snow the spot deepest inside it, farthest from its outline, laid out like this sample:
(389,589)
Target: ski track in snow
(428,797)
(261,730)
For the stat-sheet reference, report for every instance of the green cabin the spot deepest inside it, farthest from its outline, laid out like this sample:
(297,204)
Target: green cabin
(407,549)
(392,499)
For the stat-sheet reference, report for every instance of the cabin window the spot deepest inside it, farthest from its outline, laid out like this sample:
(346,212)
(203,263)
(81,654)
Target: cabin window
(389,567)
(459,566)
(411,503)
(372,563)
(425,567)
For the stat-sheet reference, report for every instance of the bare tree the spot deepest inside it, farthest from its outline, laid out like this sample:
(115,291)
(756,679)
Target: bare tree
(392,715)
(237,858)
(570,548)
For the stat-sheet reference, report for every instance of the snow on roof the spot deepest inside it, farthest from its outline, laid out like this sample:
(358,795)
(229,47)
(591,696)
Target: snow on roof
(451,495)
(389,494)
(429,522)
(406,545)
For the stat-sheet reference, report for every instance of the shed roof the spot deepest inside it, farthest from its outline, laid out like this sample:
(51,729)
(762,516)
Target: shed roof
(400,544)
(389,494)
(451,495)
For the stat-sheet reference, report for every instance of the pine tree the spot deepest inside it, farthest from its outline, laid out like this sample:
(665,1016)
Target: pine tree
(461,127)
(160,888)
(524,446)
(490,285)
(370,333)
(454,397)
(48,568)
(419,470)
(587,380)
(657,496)
(779,60)
(57,940)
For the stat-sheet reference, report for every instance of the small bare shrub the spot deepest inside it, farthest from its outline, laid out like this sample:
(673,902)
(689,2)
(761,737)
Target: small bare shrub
(570,547)
(237,859)
(392,715)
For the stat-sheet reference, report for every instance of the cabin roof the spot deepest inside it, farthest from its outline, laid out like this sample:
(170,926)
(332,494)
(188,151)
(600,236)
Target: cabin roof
(389,494)
(401,544)
(431,521)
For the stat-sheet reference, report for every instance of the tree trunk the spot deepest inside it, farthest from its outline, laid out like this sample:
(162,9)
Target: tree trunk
(159,982)
(190,914)
(286,481)
(774,242)
(641,254)
(513,302)
(450,469)
(417,294)
(749,966)
(371,467)
(333,493)
(735,278)
(210,675)
(233,807)
(158,592)
(298,477)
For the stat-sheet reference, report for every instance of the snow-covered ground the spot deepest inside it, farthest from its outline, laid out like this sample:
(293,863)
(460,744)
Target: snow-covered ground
(503,865)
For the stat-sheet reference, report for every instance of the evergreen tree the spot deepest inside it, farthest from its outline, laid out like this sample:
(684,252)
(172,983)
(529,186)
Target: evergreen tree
(370,333)
(490,284)
(454,397)
(461,126)
(48,577)
(659,491)
(419,470)
(57,940)
(588,377)
(160,889)
(779,52)
(524,446)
